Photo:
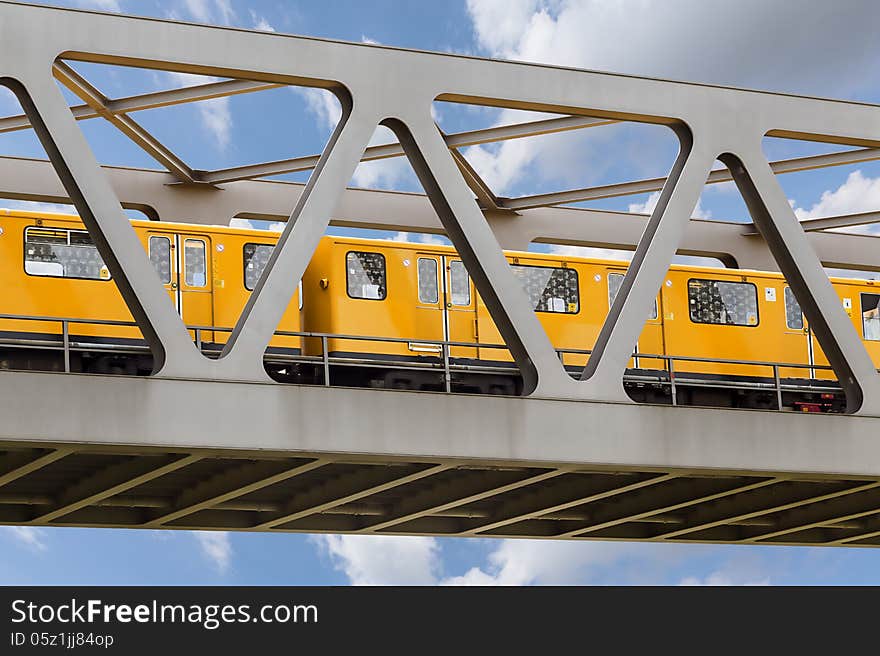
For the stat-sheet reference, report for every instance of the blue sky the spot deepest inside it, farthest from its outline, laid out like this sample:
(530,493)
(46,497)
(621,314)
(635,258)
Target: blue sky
(750,43)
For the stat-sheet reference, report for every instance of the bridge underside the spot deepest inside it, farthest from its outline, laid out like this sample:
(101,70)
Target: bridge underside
(252,457)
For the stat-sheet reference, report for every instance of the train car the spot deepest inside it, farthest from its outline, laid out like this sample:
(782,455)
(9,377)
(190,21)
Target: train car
(401,315)
(725,327)
(51,268)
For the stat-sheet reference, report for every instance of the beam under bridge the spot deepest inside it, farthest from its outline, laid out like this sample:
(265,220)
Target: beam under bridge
(149,453)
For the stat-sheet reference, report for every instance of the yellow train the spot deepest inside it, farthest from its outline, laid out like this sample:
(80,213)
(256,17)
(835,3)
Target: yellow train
(724,327)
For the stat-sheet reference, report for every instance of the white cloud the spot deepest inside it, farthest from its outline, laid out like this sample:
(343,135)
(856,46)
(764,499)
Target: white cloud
(672,39)
(500,24)
(722,578)
(323,104)
(217,12)
(101,5)
(399,560)
(647,207)
(215,113)
(216,547)
(260,22)
(545,562)
(33,206)
(29,536)
(383,560)
(419,238)
(387,173)
(247,224)
(591,251)
(857,194)
(663,39)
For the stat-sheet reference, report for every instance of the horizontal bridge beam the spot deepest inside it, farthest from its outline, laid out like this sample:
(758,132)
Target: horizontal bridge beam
(137,412)
(153,100)
(150,192)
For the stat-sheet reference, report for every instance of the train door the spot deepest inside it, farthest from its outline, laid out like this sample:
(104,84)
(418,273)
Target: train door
(797,344)
(461,308)
(651,338)
(446,305)
(869,320)
(183,264)
(430,321)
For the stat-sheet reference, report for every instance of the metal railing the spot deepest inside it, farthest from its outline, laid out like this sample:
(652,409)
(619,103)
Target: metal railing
(443,361)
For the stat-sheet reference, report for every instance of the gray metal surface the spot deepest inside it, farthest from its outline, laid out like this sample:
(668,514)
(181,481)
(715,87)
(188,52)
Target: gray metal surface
(155,193)
(214,444)
(243,456)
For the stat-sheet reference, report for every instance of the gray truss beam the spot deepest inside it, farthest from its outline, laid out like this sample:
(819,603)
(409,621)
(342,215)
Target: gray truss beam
(667,500)
(24,464)
(456,494)
(127,125)
(150,192)
(153,100)
(537,504)
(716,176)
(232,484)
(335,493)
(859,502)
(832,222)
(779,497)
(113,480)
(385,151)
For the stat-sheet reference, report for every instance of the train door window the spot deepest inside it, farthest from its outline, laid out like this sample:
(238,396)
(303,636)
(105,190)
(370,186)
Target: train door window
(549,289)
(429,291)
(365,275)
(160,256)
(722,302)
(194,263)
(255,258)
(870,317)
(794,316)
(60,253)
(459,284)
(615,280)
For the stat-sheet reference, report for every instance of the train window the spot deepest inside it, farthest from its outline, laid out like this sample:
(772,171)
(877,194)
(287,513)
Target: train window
(160,256)
(794,317)
(255,257)
(549,289)
(615,280)
(60,253)
(459,283)
(722,302)
(194,263)
(870,317)
(365,275)
(429,291)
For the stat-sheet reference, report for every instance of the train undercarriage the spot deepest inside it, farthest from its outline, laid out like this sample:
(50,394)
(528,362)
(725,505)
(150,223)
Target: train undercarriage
(423,373)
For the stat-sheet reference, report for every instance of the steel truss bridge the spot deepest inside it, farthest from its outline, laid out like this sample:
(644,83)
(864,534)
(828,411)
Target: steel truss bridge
(213,443)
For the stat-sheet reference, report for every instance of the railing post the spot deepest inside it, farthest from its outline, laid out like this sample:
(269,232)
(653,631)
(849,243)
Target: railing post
(778,387)
(65,336)
(326,358)
(672,391)
(447,378)
(199,339)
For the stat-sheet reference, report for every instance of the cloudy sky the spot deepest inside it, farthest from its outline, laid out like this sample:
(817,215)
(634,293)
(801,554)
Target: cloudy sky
(810,47)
